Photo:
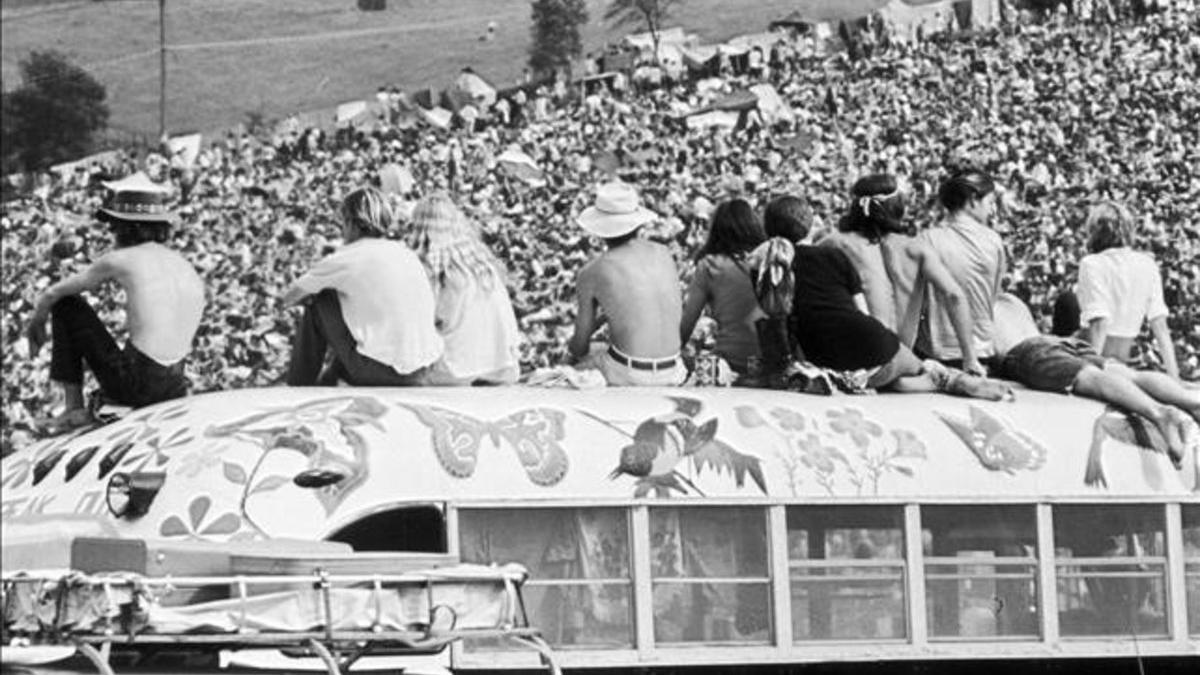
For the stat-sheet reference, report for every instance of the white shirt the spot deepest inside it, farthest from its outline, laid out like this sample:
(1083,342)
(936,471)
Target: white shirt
(479,327)
(1123,286)
(386,300)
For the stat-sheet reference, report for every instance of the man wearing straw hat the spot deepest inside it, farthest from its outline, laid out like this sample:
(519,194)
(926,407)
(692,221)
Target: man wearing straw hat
(636,286)
(164,301)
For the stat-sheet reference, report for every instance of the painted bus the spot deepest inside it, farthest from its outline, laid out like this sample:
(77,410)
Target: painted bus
(689,526)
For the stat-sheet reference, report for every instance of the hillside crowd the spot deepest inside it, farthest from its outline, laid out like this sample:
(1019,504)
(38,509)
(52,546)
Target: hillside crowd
(1062,113)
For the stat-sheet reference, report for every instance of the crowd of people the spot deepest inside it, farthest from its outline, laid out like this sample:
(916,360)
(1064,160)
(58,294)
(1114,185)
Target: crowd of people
(1063,114)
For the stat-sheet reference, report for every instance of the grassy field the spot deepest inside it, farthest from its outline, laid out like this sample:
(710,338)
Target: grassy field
(231,57)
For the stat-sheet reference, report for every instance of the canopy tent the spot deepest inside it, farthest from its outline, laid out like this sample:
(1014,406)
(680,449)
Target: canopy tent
(796,20)
(745,43)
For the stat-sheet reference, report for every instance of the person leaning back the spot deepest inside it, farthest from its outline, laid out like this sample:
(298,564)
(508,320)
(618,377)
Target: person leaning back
(164,302)
(636,284)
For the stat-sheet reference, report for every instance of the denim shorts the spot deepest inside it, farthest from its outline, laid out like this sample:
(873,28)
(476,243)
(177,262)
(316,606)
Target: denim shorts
(1049,363)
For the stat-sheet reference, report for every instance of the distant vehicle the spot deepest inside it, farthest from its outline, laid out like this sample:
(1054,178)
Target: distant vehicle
(678,527)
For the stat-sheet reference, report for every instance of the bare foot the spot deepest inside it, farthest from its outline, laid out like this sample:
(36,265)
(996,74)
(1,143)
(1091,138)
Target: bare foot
(1176,429)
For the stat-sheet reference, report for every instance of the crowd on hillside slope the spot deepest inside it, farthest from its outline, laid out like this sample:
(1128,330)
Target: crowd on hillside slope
(1062,113)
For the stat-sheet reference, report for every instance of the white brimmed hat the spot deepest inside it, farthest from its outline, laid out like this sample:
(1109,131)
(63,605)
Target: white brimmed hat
(617,211)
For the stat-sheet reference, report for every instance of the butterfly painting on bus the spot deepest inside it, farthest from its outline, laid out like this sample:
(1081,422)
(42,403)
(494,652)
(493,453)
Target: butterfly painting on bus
(535,434)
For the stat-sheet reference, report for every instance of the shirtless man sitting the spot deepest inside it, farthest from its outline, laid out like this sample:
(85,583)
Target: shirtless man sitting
(636,285)
(164,301)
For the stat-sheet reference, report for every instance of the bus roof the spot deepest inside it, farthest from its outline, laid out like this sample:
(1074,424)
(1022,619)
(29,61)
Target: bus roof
(231,458)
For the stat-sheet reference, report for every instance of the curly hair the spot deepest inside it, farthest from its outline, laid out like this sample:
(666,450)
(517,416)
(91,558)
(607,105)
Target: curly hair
(1109,225)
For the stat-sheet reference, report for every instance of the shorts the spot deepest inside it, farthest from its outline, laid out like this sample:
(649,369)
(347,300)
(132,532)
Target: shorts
(1049,363)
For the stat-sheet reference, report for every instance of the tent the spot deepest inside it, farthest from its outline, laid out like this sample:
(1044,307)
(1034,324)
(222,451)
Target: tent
(771,104)
(478,92)
(645,41)
(350,111)
(521,166)
(713,118)
(438,117)
(797,21)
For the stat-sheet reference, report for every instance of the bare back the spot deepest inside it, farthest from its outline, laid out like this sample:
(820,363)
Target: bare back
(164,298)
(867,258)
(637,285)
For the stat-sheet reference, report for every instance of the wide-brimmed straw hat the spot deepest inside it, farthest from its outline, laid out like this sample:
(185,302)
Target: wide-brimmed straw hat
(136,199)
(616,212)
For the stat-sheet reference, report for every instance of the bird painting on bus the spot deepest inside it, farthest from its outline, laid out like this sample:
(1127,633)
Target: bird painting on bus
(664,443)
(997,444)
(1126,427)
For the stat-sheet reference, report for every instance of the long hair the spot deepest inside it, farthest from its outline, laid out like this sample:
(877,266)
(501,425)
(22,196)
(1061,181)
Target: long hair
(449,244)
(960,188)
(734,231)
(1109,225)
(367,210)
(876,208)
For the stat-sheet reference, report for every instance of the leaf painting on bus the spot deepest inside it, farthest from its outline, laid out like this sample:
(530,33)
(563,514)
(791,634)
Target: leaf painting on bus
(997,444)
(535,434)
(845,447)
(664,443)
(327,432)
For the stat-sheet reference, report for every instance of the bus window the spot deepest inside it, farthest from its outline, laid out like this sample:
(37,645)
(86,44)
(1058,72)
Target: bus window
(847,572)
(980,571)
(709,573)
(1111,570)
(1191,556)
(579,589)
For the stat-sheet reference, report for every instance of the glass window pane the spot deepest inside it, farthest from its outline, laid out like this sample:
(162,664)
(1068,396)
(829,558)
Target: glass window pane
(712,612)
(595,616)
(727,548)
(975,582)
(708,542)
(855,600)
(1191,551)
(1104,596)
(556,546)
(551,543)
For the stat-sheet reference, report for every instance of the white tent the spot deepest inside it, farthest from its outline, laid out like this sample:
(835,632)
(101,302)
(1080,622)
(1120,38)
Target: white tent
(474,86)
(717,118)
(185,149)
(348,111)
(670,36)
(771,104)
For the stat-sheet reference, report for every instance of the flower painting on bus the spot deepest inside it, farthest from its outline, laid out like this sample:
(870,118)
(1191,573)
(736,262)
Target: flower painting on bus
(534,433)
(843,447)
(663,444)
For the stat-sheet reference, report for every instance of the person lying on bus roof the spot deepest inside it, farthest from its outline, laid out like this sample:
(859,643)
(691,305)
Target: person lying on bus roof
(636,284)
(164,301)
(368,304)
(1068,365)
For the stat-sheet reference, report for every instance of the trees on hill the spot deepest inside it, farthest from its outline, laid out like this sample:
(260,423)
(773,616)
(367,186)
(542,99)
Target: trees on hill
(53,116)
(650,13)
(556,39)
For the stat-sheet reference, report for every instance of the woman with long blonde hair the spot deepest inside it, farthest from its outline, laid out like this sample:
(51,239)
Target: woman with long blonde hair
(474,313)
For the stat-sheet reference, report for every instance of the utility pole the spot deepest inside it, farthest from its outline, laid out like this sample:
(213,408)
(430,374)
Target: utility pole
(162,68)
